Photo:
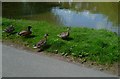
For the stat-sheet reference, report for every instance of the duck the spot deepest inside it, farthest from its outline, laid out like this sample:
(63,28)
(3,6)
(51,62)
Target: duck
(9,29)
(64,35)
(26,32)
(42,42)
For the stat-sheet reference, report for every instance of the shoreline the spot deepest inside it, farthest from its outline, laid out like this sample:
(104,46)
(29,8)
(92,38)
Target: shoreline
(85,46)
(110,70)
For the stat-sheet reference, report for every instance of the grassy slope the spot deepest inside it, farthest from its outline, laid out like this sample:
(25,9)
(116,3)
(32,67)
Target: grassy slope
(100,46)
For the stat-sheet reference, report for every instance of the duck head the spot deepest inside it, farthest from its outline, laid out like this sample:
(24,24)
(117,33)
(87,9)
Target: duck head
(11,26)
(46,35)
(29,27)
(68,28)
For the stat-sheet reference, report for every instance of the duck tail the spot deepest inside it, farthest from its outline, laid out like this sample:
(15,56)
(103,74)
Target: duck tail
(18,33)
(34,46)
(58,35)
(3,31)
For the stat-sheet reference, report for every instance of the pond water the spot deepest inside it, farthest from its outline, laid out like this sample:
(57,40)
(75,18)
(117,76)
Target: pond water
(73,14)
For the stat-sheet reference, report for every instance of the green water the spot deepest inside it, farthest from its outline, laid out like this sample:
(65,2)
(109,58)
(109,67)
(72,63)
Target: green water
(97,15)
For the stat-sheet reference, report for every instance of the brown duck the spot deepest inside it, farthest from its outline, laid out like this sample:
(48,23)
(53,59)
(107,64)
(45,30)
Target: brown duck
(9,29)
(42,42)
(26,32)
(64,35)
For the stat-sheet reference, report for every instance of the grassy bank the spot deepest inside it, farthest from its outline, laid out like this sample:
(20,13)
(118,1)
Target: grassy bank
(99,46)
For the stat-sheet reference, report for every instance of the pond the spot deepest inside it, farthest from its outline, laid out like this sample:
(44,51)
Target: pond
(97,15)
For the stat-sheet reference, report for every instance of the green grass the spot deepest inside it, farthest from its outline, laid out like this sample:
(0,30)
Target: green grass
(100,46)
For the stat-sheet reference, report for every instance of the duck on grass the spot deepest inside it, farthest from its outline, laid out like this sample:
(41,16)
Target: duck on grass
(100,46)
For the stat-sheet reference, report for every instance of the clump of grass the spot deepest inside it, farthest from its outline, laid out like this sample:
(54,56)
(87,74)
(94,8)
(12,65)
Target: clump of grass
(100,46)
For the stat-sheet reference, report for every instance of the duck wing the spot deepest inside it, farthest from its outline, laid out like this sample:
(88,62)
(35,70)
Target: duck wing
(63,34)
(41,43)
(9,29)
(24,33)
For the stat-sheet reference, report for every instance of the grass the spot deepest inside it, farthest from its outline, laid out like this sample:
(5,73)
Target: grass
(100,46)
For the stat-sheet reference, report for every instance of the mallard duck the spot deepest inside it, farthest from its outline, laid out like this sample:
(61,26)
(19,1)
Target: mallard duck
(64,35)
(9,29)
(42,42)
(26,32)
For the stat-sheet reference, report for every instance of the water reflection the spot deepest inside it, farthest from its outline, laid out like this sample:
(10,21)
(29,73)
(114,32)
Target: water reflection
(84,18)
(76,14)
